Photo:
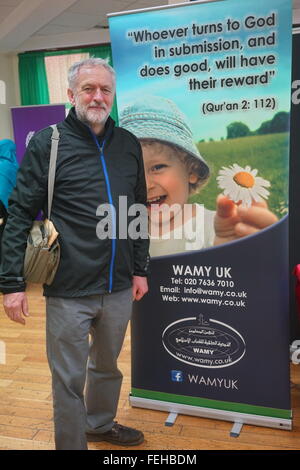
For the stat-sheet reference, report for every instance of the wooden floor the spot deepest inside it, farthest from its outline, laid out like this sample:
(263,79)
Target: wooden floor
(26,401)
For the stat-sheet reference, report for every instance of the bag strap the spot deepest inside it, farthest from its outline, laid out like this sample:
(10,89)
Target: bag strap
(52,166)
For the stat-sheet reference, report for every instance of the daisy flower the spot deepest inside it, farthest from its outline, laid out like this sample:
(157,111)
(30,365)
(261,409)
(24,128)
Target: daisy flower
(243,184)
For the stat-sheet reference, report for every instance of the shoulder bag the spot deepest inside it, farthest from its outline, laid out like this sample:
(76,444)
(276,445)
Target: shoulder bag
(43,250)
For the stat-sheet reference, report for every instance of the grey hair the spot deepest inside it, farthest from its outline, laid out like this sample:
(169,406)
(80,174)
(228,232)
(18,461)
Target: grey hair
(91,62)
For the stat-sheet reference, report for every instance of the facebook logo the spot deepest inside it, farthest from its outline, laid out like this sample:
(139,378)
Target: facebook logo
(177,376)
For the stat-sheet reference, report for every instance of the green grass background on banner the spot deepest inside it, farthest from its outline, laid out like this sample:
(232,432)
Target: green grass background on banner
(267,153)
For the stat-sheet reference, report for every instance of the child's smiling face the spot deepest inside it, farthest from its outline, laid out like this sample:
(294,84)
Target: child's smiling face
(167,178)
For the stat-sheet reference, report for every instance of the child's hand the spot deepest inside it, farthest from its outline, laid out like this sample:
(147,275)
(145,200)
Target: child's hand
(233,221)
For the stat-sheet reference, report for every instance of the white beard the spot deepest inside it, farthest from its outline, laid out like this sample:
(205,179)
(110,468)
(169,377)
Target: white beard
(91,116)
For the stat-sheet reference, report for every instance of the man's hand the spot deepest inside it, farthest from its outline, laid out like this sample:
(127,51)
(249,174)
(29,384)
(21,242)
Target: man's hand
(16,306)
(139,287)
(233,221)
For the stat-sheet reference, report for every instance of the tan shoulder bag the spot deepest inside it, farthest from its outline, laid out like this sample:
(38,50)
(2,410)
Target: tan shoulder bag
(43,250)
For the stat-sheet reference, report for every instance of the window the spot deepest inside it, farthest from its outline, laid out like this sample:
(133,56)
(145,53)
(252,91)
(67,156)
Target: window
(57,74)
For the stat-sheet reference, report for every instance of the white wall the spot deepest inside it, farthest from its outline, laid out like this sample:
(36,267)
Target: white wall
(9,80)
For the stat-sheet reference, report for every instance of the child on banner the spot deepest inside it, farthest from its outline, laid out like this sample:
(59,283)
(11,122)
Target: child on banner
(175,170)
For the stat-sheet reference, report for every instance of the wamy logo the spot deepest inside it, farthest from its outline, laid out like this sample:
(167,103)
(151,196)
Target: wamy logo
(204,343)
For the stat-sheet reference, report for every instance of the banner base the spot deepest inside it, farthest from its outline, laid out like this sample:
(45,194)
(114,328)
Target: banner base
(212,413)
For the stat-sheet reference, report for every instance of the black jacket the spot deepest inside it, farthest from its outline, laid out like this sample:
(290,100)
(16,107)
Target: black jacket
(90,171)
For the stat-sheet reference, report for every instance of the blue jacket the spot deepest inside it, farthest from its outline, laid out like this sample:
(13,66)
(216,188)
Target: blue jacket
(8,169)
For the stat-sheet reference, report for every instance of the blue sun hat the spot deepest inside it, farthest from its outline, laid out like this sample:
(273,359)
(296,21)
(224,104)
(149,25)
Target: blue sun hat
(158,118)
(8,169)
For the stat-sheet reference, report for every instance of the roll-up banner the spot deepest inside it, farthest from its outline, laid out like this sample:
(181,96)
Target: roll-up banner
(294,187)
(205,87)
(27,120)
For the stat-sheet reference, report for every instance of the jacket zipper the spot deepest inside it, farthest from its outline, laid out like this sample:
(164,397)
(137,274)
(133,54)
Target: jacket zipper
(113,211)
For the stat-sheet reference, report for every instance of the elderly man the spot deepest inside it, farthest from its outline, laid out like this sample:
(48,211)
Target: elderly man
(97,277)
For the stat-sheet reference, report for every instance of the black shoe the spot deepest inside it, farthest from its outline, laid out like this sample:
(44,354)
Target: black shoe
(119,435)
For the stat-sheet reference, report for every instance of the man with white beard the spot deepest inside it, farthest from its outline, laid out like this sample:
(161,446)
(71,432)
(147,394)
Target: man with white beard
(96,280)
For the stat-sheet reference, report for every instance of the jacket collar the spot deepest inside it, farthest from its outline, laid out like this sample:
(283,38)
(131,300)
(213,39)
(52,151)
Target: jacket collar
(83,129)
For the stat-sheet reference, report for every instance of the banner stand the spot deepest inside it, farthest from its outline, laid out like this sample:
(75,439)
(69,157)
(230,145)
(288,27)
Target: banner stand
(27,120)
(211,337)
(239,419)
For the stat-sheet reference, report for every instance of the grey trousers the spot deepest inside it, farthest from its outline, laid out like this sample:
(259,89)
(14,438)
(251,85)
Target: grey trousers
(77,363)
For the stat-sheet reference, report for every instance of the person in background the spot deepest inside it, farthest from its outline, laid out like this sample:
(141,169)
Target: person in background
(97,278)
